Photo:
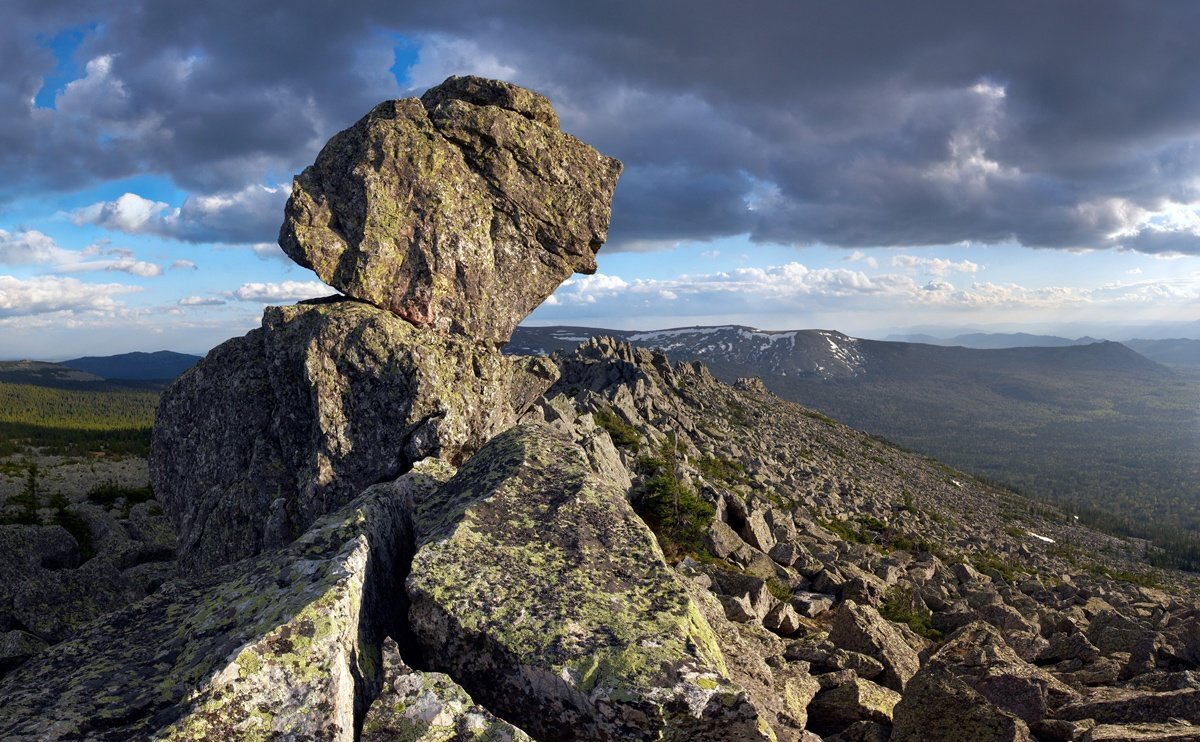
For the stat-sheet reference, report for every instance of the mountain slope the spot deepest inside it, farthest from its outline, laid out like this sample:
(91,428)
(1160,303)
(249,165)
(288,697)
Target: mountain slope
(40,373)
(1177,352)
(1098,426)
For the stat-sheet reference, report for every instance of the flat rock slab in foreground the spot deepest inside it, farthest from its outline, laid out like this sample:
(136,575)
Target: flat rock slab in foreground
(537,587)
(461,211)
(281,646)
(273,430)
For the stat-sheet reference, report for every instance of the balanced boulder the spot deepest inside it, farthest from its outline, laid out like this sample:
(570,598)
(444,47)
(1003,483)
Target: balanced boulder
(446,220)
(461,211)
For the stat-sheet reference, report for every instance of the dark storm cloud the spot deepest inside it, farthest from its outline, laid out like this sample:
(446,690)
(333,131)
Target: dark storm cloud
(1067,124)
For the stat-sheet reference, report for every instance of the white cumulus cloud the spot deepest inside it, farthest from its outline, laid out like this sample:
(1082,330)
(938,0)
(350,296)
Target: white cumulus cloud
(934,266)
(201,301)
(45,294)
(31,247)
(245,216)
(285,291)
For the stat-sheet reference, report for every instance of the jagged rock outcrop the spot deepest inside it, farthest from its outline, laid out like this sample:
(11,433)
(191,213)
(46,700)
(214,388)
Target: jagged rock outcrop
(461,211)
(284,645)
(537,587)
(452,217)
(272,430)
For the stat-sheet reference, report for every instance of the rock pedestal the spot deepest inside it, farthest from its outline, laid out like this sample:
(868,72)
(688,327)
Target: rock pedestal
(274,429)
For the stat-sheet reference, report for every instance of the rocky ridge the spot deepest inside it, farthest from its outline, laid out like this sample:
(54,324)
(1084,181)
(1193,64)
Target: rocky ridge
(391,531)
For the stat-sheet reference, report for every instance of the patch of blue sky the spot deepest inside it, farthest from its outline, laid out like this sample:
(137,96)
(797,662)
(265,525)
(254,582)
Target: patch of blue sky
(63,45)
(407,51)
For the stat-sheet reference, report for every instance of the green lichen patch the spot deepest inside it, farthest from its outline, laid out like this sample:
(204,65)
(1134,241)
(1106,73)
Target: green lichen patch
(538,587)
(270,646)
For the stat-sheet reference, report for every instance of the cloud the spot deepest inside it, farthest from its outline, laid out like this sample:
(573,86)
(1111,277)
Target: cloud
(801,123)
(858,255)
(286,291)
(244,216)
(129,213)
(46,294)
(182,264)
(933,266)
(793,289)
(121,265)
(31,247)
(270,251)
(201,301)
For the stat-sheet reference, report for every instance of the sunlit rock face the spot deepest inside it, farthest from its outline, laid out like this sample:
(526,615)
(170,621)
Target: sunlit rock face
(461,211)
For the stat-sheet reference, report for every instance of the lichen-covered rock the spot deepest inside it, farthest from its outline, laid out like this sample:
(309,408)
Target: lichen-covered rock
(1126,705)
(780,691)
(538,589)
(857,700)
(420,706)
(860,628)
(938,707)
(978,655)
(272,430)
(285,645)
(461,211)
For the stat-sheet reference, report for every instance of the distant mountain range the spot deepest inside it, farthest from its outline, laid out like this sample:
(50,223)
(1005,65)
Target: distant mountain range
(1171,352)
(735,350)
(994,340)
(1094,424)
(163,364)
(126,370)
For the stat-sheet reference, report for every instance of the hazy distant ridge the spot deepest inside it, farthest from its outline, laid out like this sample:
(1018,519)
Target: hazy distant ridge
(162,364)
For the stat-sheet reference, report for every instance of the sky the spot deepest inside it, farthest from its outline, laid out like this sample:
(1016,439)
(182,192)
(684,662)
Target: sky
(864,167)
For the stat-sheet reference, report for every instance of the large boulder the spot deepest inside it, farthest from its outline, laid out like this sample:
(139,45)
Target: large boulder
(536,586)
(834,710)
(860,628)
(461,211)
(938,707)
(283,646)
(978,655)
(1125,705)
(274,429)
